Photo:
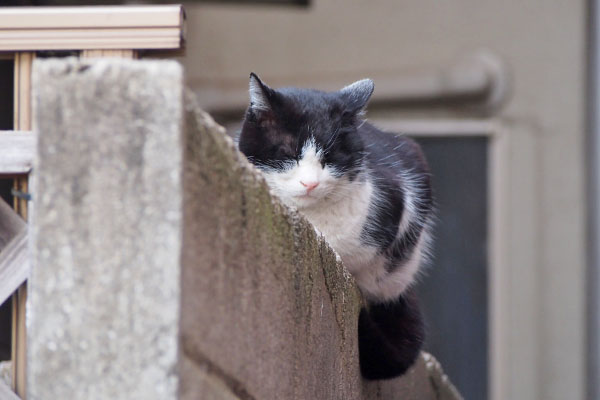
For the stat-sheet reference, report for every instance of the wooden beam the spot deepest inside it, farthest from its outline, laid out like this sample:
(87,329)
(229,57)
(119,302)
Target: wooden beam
(91,17)
(18,150)
(19,342)
(22,88)
(22,122)
(103,53)
(14,265)
(10,225)
(81,28)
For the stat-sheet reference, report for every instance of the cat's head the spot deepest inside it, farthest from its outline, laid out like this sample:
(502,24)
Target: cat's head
(306,142)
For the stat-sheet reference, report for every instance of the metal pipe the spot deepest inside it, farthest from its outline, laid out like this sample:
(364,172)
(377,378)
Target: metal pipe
(593,186)
(479,79)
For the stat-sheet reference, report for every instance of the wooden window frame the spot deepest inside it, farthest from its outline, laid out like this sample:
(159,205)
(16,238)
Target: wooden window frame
(22,122)
(499,267)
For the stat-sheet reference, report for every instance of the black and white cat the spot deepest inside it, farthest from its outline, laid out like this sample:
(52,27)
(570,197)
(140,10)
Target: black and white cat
(367,191)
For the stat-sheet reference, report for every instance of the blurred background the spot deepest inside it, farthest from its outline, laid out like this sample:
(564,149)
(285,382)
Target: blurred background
(502,97)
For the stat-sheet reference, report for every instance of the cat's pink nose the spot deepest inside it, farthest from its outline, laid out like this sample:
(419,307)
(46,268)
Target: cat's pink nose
(309,186)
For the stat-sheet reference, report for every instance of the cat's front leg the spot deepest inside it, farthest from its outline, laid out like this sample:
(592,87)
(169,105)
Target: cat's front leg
(390,337)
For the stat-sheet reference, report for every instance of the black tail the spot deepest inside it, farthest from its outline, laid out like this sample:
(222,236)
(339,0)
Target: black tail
(390,336)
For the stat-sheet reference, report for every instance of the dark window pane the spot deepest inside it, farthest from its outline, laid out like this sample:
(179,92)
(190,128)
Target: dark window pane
(6,123)
(6,94)
(6,308)
(5,331)
(6,185)
(454,290)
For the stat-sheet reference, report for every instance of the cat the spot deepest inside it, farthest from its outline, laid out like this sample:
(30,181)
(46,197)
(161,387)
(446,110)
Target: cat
(367,191)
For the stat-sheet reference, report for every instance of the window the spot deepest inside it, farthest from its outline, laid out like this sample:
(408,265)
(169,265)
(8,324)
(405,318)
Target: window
(454,294)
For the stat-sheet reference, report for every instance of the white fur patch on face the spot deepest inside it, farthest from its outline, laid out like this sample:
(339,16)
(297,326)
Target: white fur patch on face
(292,183)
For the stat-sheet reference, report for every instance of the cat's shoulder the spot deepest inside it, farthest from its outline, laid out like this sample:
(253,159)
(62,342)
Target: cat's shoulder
(372,134)
(381,144)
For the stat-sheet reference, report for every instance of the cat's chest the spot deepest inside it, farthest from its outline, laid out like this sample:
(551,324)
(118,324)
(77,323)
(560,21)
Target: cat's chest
(342,224)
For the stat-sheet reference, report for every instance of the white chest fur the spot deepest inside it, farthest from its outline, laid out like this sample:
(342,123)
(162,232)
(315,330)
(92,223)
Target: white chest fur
(339,209)
(341,221)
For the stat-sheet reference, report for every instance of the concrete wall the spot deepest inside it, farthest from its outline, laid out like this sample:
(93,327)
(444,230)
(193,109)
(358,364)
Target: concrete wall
(128,194)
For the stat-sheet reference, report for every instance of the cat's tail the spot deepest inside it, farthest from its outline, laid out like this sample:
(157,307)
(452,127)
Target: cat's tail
(390,336)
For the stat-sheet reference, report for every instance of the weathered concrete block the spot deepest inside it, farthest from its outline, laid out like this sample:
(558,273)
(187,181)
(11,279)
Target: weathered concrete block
(104,298)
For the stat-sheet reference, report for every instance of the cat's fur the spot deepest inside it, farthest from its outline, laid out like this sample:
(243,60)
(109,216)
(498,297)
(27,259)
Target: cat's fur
(368,192)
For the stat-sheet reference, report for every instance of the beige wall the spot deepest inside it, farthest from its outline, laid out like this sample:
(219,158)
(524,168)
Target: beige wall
(540,343)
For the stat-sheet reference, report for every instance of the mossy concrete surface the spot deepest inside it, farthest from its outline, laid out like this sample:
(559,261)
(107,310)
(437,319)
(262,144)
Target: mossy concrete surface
(268,310)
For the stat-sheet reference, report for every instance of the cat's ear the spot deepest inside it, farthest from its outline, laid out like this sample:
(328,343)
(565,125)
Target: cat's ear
(357,95)
(260,94)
